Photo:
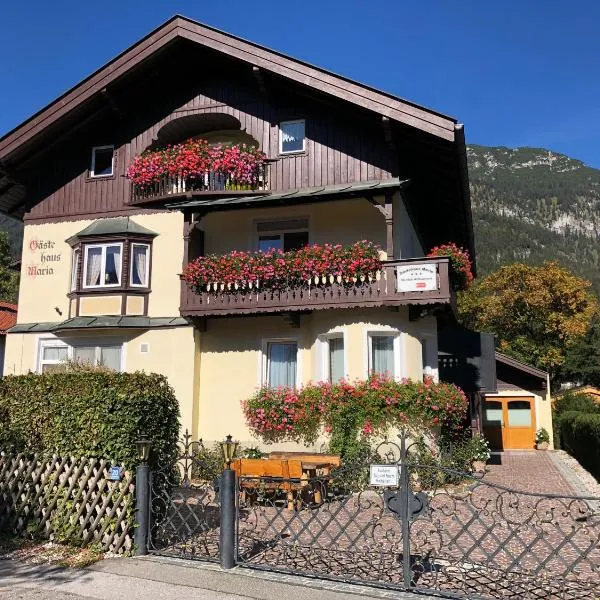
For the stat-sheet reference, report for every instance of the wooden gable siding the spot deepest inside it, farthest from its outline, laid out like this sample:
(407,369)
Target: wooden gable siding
(341,148)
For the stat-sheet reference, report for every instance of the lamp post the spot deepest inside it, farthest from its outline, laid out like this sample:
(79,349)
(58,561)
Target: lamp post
(227,490)
(142,504)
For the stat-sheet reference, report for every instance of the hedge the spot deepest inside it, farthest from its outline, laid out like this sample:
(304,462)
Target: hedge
(580,437)
(92,413)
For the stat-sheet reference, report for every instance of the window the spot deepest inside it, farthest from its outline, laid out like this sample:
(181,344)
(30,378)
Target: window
(384,354)
(283,235)
(107,356)
(103,158)
(292,136)
(53,353)
(140,265)
(102,266)
(52,356)
(74,269)
(282,363)
(429,358)
(333,359)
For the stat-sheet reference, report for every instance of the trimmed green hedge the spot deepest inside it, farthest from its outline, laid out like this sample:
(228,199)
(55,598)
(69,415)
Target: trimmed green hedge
(94,413)
(580,437)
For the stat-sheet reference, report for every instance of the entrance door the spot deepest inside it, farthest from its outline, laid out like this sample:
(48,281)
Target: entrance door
(509,423)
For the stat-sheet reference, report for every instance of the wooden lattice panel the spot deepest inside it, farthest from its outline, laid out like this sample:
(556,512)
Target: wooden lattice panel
(67,499)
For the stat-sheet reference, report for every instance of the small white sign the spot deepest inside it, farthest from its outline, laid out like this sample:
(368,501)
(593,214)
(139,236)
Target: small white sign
(416,278)
(384,475)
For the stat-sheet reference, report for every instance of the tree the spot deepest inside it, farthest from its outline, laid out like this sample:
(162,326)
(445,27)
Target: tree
(9,279)
(582,360)
(536,312)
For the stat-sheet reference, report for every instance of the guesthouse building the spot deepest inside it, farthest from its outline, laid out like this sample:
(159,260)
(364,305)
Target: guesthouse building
(195,144)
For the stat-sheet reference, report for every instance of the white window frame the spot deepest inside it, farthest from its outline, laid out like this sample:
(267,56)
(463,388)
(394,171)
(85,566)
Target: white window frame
(103,271)
(397,350)
(280,232)
(50,343)
(323,354)
(264,359)
(147,279)
(93,162)
(75,267)
(70,345)
(292,121)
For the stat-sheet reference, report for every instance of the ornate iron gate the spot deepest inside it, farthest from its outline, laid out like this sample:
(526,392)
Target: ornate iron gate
(184,516)
(438,531)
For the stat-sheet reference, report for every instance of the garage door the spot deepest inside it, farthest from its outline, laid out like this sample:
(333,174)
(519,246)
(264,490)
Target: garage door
(509,423)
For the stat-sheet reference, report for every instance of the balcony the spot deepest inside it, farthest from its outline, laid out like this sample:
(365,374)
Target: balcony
(210,183)
(423,281)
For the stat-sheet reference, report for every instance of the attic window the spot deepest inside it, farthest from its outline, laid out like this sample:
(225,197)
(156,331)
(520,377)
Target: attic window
(292,136)
(103,158)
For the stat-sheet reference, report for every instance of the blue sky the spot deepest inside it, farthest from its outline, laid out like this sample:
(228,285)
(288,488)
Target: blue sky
(517,73)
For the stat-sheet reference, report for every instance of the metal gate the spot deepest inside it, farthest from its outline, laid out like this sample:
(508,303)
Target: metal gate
(438,531)
(184,515)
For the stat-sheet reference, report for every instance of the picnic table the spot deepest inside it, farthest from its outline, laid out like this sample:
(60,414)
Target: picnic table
(289,471)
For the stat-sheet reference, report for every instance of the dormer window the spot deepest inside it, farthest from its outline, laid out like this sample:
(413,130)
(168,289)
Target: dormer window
(103,161)
(102,266)
(292,136)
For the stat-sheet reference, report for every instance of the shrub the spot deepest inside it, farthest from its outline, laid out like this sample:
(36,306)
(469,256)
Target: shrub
(542,436)
(580,436)
(89,412)
(352,412)
(575,401)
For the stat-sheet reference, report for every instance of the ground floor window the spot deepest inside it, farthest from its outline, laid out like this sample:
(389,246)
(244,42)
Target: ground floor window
(384,353)
(332,357)
(281,363)
(54,353)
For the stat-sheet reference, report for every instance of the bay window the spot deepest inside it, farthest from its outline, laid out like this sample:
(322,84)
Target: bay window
(102,265)
(140,263)
(54,353)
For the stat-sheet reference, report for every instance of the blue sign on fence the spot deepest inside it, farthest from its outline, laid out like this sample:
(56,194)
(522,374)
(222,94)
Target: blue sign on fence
(114,474)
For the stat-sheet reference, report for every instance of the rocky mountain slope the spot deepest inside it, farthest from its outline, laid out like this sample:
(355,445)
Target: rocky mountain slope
(532,205)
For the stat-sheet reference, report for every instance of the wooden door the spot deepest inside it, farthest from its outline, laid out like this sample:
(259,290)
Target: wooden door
(520,423)
(509,423)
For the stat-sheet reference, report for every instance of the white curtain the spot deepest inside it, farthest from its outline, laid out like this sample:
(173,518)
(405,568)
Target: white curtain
(336,359)
(110,357)
(382,354)
(140,260)
(94,266)
(84,354)
(281,365)
(113,265)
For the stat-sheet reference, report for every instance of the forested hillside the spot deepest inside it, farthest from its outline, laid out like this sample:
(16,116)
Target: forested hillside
(532,205)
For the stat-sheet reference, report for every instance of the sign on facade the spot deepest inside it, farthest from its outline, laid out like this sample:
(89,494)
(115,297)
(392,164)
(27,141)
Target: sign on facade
(383,475)
(416,278)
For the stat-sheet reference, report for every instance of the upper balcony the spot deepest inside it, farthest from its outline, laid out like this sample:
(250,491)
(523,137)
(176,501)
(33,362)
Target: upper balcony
(422,281)
(208,183)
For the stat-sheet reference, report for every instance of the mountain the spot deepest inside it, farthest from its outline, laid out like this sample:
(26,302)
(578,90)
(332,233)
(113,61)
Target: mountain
(531,205)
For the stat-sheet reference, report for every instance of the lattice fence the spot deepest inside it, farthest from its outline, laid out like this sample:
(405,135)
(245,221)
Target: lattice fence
(67,499)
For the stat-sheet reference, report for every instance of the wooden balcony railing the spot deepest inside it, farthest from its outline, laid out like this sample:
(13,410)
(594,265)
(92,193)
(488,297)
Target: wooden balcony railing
(212,182)
(400,282)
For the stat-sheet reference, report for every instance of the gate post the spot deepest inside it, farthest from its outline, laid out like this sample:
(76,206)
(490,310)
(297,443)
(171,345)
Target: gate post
(227,533)
(405,512)
(140,537)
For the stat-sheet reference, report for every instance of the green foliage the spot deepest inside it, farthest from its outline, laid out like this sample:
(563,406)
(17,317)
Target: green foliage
(580,437)
(9,279)
(89,413)
(208,463)
(575,401)
(537,312)
(352,411)
(582,360)
(530,207)
(542,436)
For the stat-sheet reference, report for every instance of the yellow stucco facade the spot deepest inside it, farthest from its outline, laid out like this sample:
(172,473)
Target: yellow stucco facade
(212,371)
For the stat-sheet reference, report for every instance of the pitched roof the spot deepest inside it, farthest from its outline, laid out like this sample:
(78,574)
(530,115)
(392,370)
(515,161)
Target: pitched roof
(521,366)
(255,55)
(113,226)
(101,322)
(8,316)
